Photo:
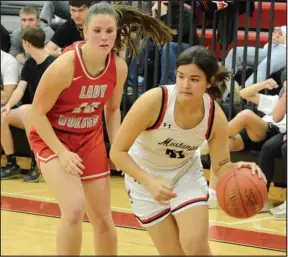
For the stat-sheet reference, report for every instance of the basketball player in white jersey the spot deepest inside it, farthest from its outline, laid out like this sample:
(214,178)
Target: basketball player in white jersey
(159,138)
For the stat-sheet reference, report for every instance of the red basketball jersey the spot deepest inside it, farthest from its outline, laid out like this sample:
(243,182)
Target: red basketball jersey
(79,107)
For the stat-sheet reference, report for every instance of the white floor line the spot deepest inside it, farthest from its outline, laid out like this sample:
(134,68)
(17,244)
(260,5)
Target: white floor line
(53,199)
(30,196)
(250,220)
(33,191)
(211,222)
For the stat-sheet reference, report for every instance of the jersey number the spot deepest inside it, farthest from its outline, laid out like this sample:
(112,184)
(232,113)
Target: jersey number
(86,108)
(175,154)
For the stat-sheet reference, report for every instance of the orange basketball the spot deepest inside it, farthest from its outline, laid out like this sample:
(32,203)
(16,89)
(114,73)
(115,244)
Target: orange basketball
(240,194)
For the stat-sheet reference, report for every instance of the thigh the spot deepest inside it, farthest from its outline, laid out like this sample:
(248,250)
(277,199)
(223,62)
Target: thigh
(273,144)
(98,198)
(14,118)
(67,188)
(165,236)
(256,128)
(193,227)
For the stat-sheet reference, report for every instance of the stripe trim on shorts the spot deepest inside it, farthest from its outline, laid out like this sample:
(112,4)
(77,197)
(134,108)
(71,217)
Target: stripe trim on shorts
(192,201)
(153,218)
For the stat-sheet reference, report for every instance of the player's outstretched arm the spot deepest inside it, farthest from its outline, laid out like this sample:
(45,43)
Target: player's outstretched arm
(55,79)
(219,148)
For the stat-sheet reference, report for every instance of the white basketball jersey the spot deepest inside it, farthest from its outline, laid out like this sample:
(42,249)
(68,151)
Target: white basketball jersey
(165,145)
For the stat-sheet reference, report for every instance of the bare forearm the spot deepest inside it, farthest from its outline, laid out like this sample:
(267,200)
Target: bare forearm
(125,163)
(280,109)
(15,98)
(248,92)
(113,121)
(46,132)
(224,167)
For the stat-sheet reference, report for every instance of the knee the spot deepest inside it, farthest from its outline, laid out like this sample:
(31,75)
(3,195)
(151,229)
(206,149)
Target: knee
(74,213)
(195,246)
(245,116)
(103,223)
(25,110)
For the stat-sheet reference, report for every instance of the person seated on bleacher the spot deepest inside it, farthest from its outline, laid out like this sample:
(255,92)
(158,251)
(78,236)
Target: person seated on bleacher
(173,51)
(5,39)
(247,131)
(29,16)
(33,42)
(9,76)
(276,147)
(71,31)
(60,9)
(277,62)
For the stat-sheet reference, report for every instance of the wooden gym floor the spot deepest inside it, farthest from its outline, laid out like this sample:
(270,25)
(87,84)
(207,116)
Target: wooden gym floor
(30,215)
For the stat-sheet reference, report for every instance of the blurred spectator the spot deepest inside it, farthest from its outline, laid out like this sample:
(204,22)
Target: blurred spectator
(33,42)
(9,76)
(29,18)
(173,46)
(5,39)
(58,8)
(62,9)
(278,57)
(276,147)
(71,31)
(247,130)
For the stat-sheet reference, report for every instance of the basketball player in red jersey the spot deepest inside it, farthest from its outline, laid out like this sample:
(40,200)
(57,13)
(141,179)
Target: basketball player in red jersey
(159,139)
(67,137)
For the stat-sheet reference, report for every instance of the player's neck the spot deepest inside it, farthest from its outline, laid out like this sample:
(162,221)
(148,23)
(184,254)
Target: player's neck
(188,106)
(39,55)
(97,61)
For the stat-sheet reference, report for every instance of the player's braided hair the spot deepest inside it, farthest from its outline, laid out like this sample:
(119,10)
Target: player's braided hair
(127,15)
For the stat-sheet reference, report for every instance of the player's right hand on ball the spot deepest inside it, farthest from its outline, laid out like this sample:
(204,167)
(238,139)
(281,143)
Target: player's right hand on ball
(71,162)
(160,190)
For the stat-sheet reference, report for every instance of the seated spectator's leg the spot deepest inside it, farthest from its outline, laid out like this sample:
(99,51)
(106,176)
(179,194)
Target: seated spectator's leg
(239,58)
(278,62)
(172,61)
(59,8)
(12,170)
(255,126)
(270,150)
(248,121)
(141,65)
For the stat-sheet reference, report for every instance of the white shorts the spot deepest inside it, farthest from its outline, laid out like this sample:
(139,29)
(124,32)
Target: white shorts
(191,190)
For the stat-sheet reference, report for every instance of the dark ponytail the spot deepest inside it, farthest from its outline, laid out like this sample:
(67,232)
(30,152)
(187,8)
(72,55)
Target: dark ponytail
(208,63)
(127,15)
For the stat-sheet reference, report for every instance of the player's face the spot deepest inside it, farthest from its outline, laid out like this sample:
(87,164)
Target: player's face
(29,20)
(78,14)
(191,82)
(102,32)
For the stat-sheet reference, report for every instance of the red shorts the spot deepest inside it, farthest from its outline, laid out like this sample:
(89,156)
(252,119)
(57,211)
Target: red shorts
(89,146)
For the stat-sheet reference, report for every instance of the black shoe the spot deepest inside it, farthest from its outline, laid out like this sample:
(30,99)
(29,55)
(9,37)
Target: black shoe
(10,171)
(33,174)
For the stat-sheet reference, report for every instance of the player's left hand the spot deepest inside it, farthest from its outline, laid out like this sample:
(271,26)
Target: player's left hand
(255,169)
